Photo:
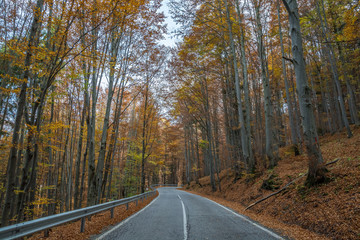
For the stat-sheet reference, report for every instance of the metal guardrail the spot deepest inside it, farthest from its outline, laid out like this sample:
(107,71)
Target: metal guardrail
(45,223)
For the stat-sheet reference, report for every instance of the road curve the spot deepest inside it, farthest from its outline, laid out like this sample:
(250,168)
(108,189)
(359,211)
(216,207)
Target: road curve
(181,215)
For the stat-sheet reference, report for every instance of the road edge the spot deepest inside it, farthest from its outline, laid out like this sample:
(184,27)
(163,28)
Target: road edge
(244,217)
(102,235)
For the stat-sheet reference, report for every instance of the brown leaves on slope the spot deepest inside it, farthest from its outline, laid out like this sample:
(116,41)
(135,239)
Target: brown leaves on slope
(330,210)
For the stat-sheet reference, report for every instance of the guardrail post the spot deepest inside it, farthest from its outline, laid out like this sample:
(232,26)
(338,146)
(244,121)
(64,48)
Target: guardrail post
(112,213)
(82,228)
(136,202)
(127,206)
(46,233)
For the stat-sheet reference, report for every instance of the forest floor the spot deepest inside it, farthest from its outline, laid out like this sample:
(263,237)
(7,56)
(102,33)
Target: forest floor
(98,223)
(327,211)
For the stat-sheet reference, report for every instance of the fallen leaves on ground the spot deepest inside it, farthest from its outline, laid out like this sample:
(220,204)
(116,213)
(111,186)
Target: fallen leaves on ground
(328,211)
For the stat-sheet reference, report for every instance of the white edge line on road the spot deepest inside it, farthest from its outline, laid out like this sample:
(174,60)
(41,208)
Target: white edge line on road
(126,220)
(184,219)
(248,220)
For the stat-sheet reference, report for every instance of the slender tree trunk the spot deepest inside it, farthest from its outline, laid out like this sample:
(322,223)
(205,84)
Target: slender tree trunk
(244,138)
(316,167)
(330,52)
(144,144)
(69,173)
(187,160)
(268,106)
(18,168)
(83,171)
(100,164)
(351,96)
(325,104)
(294,139)
(209,134)
(244,65)
(11,169)
(216,143)
(50,192)
(114,137)
(79,149)
(91,196)
(4,116)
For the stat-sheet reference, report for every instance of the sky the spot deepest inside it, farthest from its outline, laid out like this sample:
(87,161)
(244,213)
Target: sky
(171,25)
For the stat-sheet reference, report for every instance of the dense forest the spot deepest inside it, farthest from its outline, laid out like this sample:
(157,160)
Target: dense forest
(94,108)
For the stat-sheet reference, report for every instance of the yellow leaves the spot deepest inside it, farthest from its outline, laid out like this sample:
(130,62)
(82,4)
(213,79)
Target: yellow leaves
(351,27)
(41,201)
(18,191)
(45,165)
(7,91)
(2,187)
(50,187)
(55,126)
(203,144)
(123,139)
(152,162)
(195,168)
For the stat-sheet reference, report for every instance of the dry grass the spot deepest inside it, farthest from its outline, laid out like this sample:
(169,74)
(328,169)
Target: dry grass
(96,225)
(327,211)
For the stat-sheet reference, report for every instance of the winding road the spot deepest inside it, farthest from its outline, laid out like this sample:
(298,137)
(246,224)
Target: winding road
(181,215)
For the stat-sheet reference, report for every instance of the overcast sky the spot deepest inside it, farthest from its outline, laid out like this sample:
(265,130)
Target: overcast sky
(171,26)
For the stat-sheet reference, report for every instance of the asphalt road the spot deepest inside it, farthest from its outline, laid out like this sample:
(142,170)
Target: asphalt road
(180,215)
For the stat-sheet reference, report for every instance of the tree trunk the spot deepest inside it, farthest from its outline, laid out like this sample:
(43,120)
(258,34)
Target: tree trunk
(91,196)
(114,136)
(330,52)
(294,139)
(244,138)
(268,107)
(244,65)
(50,192)
(79,150)
(144,144)
(316,166)
(11,169)
(208,130)
(351,96)
(115,41)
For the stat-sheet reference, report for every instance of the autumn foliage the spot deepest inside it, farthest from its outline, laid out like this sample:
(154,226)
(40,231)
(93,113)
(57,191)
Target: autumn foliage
(94,108)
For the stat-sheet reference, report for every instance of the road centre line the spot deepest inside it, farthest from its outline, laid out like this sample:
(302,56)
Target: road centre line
(184,219)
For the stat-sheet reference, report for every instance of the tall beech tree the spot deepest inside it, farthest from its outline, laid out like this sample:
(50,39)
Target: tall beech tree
(316,167)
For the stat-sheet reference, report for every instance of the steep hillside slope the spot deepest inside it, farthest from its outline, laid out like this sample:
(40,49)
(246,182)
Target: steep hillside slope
(330,210)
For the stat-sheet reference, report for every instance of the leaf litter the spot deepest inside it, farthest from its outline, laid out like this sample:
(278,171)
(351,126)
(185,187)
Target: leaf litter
(327,211)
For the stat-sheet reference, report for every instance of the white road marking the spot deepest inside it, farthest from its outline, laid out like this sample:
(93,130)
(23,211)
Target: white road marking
(126,220)
(248,220)
(184,219)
